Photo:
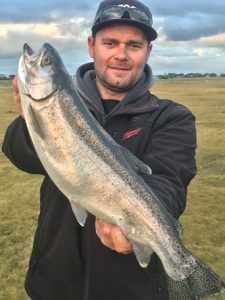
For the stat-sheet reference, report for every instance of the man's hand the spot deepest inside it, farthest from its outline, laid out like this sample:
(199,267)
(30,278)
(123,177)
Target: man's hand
(17,96)
(112,237)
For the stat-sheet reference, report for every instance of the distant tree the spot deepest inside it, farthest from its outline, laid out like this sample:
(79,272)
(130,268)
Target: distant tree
(164,76)
(212,75)
(189,75)
(3,77)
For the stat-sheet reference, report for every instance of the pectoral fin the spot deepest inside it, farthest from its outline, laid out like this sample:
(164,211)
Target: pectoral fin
(138,166)
(142,252)
(80,213)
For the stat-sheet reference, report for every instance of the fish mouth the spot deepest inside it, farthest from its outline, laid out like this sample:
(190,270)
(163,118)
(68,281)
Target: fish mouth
(27,50)
(36,78)
(30,57)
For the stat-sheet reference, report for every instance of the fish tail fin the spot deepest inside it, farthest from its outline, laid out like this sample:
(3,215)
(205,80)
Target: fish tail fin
(203,282)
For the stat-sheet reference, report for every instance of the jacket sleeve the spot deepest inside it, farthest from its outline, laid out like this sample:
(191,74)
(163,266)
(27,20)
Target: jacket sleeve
(19,149)
(171,156)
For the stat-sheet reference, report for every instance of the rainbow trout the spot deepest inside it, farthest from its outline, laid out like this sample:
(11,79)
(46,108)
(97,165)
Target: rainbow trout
(100,177)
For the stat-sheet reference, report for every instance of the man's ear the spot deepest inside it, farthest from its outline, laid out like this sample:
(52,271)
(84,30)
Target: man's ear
(149,50)
(91,46)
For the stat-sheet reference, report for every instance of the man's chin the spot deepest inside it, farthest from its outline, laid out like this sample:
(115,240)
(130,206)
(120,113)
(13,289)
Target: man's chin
(119,83)
(118,87)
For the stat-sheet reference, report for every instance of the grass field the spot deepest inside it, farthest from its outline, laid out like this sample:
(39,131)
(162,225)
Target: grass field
(203,220)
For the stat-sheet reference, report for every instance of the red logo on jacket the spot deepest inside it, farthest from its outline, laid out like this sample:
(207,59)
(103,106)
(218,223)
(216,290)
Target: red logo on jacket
(130,133)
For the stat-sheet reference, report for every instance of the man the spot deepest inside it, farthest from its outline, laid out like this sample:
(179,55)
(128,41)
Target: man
(96,262)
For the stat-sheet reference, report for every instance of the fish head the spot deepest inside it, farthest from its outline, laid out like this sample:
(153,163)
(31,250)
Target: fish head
(38,72)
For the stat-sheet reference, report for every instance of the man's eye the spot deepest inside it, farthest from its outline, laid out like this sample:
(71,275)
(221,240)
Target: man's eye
(108,43)
(134,46)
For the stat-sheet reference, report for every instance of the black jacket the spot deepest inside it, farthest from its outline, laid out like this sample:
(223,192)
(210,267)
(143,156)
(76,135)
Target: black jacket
(69,262)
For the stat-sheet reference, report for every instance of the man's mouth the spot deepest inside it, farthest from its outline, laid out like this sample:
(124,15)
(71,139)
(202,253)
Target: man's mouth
(118,68)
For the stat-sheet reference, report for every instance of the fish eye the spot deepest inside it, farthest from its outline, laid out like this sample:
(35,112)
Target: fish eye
(46,60)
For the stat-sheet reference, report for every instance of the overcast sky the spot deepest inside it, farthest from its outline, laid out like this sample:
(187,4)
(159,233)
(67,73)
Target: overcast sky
(191,32)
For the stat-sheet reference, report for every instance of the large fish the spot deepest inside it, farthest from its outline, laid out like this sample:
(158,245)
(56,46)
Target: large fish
(101,177)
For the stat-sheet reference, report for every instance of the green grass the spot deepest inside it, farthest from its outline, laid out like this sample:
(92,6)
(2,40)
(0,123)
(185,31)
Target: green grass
(19,204)
(204,218)
(203,221)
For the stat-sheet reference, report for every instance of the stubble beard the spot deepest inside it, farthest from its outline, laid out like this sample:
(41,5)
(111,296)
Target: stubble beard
(117,85)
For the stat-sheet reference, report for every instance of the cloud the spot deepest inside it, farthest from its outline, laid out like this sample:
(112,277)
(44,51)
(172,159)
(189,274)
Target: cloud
(194,26)
(72,34)
(195,61)
(22,11)
(190,32)
(187,20)
(202,55)
(77,27)
(182,8)
(70,40)
(217,41)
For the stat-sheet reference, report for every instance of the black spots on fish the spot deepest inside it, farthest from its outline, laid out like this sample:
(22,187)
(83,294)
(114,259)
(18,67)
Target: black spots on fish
(203,282)
(179,290)
(35,124)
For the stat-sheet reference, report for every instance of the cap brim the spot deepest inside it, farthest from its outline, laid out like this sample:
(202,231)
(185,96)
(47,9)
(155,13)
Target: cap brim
(150,32)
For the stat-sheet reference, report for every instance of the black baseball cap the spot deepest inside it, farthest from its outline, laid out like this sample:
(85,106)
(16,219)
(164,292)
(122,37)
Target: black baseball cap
(131,12)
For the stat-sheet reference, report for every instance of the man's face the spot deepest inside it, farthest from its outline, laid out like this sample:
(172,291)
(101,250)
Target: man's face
(120,53)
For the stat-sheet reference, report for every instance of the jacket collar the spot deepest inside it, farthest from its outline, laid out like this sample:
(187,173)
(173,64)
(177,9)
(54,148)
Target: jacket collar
(138,99)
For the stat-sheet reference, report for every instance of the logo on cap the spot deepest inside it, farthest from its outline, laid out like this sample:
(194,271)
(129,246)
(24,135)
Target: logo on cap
(127,5)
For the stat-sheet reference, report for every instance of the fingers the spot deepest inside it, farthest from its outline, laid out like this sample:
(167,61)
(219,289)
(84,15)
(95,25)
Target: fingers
(17,96)
(15,85)
(103,230)
(112,237)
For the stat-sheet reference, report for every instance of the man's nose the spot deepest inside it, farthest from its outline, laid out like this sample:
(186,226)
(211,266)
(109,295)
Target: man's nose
(121,53)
